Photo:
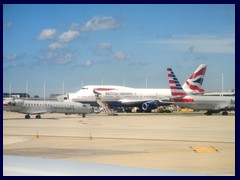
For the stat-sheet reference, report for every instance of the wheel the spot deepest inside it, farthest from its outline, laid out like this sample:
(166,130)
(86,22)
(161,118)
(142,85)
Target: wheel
(208,113)
(224,113)
(27,116)
(83,115)
(38,116)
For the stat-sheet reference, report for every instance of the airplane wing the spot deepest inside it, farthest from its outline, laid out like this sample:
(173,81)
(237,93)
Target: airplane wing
(132,101)
(35,111)
(139,102)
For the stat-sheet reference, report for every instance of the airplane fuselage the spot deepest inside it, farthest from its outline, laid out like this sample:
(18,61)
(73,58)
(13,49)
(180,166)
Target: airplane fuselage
(40,107)
(118,96)
(207,102)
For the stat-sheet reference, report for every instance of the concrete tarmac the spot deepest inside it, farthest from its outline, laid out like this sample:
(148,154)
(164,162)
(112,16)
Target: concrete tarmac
(181,142)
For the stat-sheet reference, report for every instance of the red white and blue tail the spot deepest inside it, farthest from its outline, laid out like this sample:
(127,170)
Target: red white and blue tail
(194,84)
(175,86)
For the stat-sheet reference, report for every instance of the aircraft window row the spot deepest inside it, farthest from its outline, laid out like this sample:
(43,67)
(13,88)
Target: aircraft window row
(54,105)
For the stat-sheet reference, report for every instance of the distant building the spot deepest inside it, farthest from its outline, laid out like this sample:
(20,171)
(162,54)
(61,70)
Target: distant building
(16,95)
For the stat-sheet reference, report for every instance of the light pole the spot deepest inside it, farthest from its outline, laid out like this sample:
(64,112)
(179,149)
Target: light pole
(26,89)
(44,90)
(222,82)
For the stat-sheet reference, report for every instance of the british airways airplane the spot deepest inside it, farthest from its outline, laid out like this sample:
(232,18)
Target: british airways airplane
(145,99)
(209,103)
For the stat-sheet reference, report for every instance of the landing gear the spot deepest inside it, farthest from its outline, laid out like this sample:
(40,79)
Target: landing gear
(27,116)
(38,116)
(83,115)
(224,113)
(208,113)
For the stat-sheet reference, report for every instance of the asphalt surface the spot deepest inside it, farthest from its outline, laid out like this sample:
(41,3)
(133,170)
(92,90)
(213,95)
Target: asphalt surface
(179,142)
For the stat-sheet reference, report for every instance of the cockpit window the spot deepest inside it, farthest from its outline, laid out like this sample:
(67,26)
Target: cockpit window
(84,88)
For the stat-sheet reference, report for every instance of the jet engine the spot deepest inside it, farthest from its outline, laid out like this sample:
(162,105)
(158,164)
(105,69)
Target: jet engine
(148,106)
(15,103)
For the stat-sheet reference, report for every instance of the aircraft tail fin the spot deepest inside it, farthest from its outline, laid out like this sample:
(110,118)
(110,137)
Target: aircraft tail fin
(194,82)
(176,88)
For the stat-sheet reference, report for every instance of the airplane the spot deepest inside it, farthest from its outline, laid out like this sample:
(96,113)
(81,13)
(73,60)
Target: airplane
(145,99)
(40,107)
(213,104)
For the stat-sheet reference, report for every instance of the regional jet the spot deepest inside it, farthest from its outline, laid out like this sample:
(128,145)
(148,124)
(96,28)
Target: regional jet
(210,103)
(145,99)
(29,107)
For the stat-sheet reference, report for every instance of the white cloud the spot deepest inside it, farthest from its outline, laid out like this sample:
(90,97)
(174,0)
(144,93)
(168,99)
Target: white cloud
(47,34)
(101,23)
(57,45)
(56,57)
(65,59)
(75,26)
(121,55)
(68,36)
(203,44)
(139,63)
(104,45)
(89,63)
(14,65)
(14,57)
(103,49)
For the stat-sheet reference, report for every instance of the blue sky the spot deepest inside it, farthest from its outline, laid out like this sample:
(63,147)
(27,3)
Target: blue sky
(112,44)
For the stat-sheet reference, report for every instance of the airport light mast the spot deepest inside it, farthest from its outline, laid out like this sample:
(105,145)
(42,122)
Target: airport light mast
(124,82)
(44,90)
(146,82)
(102,80)
(222,82)
(63,87)
(82,83)
(26,89)
(10,88)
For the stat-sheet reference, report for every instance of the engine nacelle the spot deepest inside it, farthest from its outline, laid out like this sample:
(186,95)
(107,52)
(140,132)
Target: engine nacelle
(15,103)
(148,106)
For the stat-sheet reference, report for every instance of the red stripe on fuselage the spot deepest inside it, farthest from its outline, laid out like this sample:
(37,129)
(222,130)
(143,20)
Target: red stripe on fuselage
(173,87)
(178,93)
(184,100)
(104,89)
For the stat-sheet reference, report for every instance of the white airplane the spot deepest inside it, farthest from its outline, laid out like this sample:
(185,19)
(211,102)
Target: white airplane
(210,103)
(145,99)
(40,107)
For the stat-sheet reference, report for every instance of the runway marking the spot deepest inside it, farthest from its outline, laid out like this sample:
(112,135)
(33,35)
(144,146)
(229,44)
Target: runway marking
(203,149)
(122,138)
